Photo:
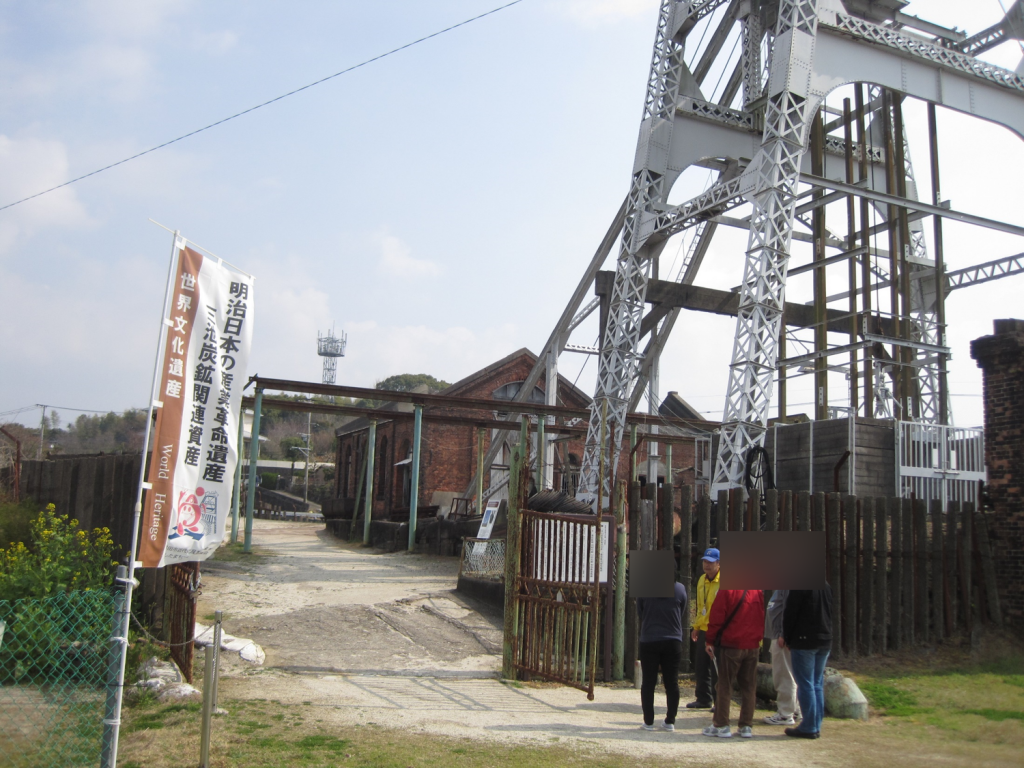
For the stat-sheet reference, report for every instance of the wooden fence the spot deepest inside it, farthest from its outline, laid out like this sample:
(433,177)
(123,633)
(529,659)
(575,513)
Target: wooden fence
(902,572)
(98,491)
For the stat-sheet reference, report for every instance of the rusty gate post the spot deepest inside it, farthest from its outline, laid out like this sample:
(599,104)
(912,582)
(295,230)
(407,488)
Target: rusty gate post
(513,540)
(619,625)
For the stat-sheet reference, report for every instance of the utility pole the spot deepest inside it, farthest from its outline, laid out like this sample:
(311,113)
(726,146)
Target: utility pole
(309,441)
(42,431)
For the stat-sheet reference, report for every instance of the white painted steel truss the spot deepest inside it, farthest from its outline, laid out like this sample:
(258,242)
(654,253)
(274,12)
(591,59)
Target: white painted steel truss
(753,135)
(812,48)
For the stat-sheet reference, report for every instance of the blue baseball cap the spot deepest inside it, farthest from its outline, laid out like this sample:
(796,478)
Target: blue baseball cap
(711,555)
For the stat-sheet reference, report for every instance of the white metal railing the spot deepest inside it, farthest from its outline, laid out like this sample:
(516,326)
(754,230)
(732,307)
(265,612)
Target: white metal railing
(939,462)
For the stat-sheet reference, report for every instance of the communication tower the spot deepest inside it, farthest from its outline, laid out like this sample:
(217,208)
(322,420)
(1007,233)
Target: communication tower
(330,348)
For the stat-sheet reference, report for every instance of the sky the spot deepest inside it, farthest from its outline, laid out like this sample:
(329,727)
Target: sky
(439,205)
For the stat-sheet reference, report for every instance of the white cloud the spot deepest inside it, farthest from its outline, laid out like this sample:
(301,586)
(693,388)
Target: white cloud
(216,43)
(396,261)
(376,351)
(28,166)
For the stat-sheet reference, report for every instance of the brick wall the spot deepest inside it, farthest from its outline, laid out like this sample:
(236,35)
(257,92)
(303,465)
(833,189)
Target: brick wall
(448,452)
(1001,357)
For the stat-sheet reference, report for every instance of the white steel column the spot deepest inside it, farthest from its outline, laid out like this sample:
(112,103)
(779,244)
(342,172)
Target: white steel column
(773,175)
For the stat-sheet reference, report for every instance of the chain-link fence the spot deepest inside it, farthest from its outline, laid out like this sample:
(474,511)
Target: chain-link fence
(483,558)
(55,656)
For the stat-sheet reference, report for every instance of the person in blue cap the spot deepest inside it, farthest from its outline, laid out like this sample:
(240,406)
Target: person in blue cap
(706,676)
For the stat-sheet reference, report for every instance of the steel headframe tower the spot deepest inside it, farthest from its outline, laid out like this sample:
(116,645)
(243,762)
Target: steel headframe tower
(807,49)
(330,348)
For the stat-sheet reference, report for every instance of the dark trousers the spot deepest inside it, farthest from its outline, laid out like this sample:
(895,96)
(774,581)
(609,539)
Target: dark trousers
(736,665)
(706,677)
(663,655)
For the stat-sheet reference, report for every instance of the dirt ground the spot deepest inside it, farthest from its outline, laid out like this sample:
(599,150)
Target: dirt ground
(372,638)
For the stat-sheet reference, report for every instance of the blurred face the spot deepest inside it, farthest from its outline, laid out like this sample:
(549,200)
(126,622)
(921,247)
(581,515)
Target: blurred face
(710,569)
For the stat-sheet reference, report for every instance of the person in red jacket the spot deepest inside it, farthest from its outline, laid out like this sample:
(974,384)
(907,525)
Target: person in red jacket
(736,628)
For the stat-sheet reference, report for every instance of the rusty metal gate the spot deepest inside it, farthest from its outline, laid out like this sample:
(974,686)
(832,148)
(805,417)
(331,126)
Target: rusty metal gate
(558,596)
(182,614)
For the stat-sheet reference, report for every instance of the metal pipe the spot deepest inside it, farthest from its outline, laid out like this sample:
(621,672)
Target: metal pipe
(541,452)
(892,216)
(820,293)
(940,267)
(480,472)
(911,402)
(865,242)
(236,492)
(218,631)
(371,451)
(414,491)
(851,241)
(254,447)
(204,734)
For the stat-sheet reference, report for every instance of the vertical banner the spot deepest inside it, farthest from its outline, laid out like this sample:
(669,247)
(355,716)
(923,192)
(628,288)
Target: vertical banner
(192,469)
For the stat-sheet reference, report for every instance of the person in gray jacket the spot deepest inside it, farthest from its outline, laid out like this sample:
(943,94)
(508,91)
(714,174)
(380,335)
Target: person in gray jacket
(782,664)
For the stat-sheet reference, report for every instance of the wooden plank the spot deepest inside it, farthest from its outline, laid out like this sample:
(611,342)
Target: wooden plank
(803,511)
(952,582)
(832,538)
(704,522)
(667,532)
(866,597)
(881,575)
(964,564)
(922,556)
(896,632)
(752,521)
(685,569)
(723,513)
(737,497)
(849,590)
(818,512)
(938,574)
(908,572)
(786,512)
(771,510)
(84,498)
(988,570)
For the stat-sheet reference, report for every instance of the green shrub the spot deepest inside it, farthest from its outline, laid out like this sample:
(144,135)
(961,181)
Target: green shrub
(268,480)
(16,521)
(58,558)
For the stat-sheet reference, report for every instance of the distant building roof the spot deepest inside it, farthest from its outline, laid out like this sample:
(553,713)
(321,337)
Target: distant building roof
(674,405)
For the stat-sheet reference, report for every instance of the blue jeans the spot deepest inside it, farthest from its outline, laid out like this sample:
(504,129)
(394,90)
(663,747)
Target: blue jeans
(809,673)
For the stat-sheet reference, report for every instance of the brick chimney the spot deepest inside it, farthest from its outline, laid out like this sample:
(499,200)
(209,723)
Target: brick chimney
(1001,358)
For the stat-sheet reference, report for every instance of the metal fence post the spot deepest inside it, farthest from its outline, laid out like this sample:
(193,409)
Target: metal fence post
(204,738)
(110,719)
(414,481)
(619,625)
(254,447)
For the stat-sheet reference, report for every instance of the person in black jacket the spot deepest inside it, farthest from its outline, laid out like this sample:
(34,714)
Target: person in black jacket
(661,648)
(807,632)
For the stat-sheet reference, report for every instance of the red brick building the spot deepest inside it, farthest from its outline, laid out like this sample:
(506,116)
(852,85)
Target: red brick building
(449,451)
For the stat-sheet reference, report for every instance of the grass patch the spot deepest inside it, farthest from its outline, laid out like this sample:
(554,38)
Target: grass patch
(147,718)
(232,552)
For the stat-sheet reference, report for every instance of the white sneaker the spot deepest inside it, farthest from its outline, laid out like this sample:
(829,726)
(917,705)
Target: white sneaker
(667,726)
(746,732)
(723,733)
(647,727)
(779,719)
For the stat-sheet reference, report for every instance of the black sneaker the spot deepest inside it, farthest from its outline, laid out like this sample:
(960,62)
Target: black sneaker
(698,705)
(798,734)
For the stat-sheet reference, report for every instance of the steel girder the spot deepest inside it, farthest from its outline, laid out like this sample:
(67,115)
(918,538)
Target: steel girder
(815,48)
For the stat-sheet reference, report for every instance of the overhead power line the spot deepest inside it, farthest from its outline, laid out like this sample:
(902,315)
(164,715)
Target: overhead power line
(264,104)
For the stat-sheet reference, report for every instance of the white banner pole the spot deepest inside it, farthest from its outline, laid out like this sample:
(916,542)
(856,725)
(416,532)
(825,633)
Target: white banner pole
(129,583)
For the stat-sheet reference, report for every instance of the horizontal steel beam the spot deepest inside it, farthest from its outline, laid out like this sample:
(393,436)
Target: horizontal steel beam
(382,414)
(912,205)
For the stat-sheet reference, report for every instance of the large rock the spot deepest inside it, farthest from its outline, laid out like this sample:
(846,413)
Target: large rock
(843,699)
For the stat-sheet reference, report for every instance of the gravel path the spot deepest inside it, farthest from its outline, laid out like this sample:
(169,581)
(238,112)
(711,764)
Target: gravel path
(372,638)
